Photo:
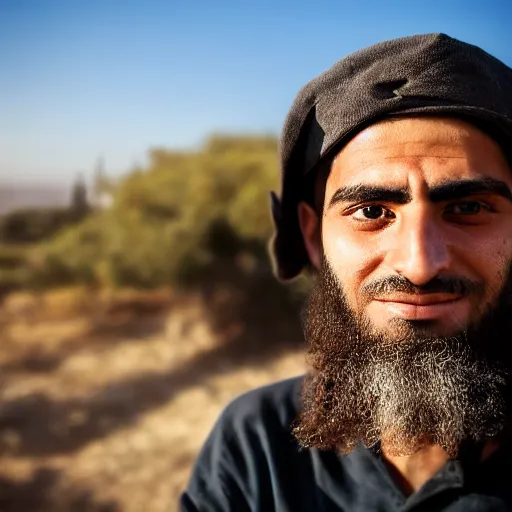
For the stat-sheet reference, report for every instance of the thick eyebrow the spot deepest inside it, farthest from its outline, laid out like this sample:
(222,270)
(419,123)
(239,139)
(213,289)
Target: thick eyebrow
(370,193)
(449,191)
(459,189)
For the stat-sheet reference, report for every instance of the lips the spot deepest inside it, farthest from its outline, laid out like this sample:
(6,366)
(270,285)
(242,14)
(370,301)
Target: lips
(421,307)
(420,299)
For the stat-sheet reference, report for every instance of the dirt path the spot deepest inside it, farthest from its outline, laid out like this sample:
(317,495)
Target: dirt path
(107,411)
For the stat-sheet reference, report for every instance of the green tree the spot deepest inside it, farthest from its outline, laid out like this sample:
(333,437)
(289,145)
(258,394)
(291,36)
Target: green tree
(180,216)
(79,204)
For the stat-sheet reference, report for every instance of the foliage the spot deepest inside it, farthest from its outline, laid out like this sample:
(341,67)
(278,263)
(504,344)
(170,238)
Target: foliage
(174,220)
(70,257)
(31,225)
(12,256)
(14,271)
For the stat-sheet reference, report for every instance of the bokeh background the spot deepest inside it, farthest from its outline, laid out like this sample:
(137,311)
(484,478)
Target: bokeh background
(138,145)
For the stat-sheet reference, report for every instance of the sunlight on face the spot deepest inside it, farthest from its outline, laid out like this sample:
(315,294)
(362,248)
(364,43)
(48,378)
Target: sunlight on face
(417,223)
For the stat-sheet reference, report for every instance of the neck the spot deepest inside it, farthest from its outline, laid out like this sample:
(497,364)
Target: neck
(410,472)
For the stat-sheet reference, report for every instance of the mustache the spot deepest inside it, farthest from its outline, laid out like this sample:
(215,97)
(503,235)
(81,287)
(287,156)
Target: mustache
(439,284)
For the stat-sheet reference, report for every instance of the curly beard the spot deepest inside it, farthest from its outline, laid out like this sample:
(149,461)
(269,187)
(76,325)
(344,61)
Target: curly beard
(411,391)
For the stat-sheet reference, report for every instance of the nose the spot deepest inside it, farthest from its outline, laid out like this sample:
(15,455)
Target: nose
(420,251)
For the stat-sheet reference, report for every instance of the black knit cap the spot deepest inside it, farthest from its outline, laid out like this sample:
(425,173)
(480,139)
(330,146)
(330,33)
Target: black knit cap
(424,74)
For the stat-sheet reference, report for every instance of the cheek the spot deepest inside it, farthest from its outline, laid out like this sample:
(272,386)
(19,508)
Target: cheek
(351,256)
(489,257)
(496,261)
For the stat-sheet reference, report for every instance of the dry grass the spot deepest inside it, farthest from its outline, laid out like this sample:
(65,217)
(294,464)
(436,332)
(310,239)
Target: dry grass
(106,399)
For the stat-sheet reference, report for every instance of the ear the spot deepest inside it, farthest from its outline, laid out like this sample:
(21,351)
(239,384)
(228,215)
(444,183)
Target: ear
(311,233)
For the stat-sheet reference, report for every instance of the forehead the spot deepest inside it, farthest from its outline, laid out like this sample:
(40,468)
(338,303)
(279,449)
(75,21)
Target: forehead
(431,150)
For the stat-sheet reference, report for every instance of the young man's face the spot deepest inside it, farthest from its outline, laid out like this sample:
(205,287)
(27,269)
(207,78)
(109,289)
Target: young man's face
(417,224)
(408,319)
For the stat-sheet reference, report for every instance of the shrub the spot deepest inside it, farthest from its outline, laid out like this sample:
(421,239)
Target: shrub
(33,225)
(175,220)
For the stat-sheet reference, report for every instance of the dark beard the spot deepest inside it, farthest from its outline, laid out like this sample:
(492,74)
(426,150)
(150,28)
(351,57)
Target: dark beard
(413,391)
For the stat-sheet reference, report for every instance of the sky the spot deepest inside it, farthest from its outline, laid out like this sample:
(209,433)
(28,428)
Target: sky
(84,80)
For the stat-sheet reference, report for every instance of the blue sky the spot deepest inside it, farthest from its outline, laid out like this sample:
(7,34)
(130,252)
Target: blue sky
(112,78)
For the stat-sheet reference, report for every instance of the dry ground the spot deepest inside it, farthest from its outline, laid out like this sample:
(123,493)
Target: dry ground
(105,400)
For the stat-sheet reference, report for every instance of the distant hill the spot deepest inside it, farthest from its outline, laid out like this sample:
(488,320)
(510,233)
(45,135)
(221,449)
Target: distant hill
(13,197)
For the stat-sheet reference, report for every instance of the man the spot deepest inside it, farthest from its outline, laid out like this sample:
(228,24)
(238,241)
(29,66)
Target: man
(396,192)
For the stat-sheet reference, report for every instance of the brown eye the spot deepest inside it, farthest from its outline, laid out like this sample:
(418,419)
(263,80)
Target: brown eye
(370,212)
(373,212)
(466,208)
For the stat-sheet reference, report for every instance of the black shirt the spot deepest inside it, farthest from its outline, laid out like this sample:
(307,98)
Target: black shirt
(251,462)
